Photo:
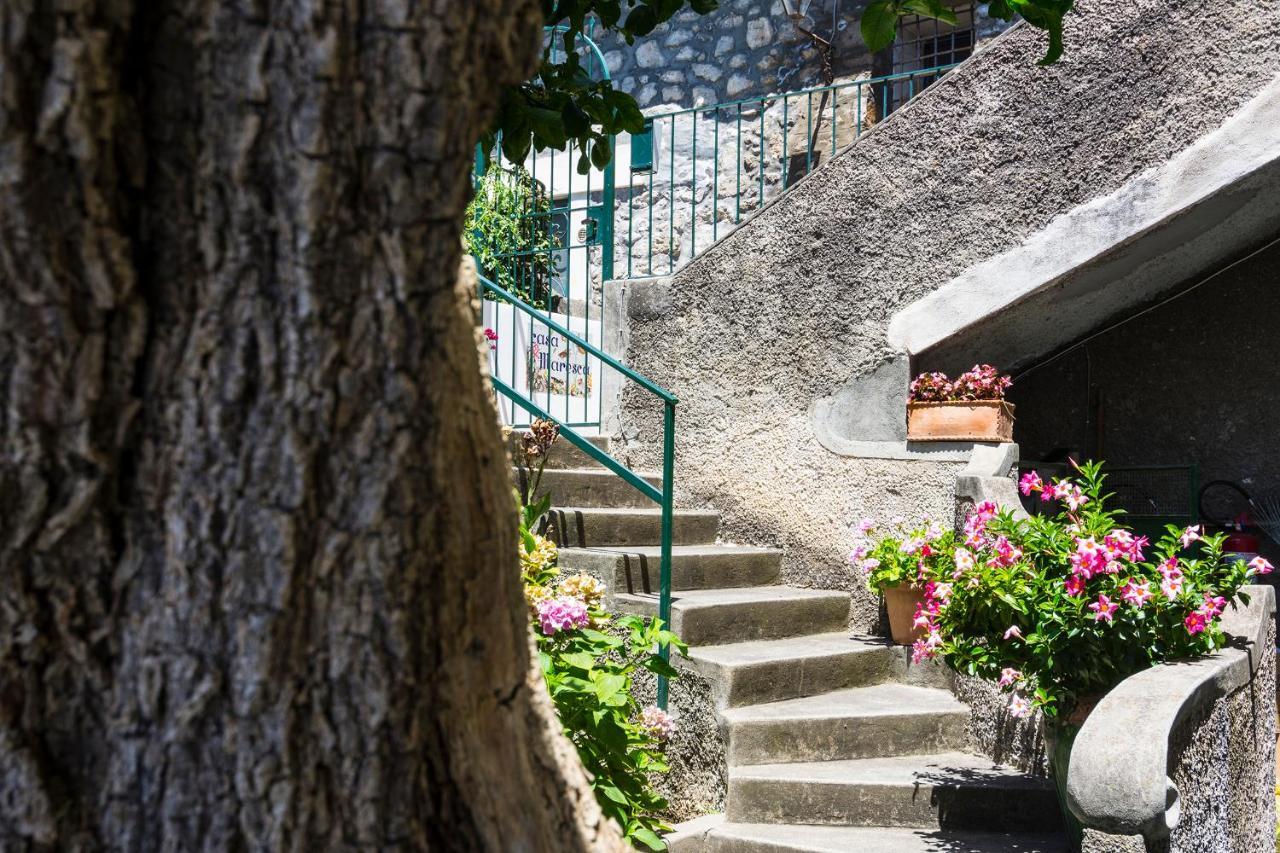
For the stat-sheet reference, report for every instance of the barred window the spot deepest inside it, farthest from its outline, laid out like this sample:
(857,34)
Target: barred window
(925,43)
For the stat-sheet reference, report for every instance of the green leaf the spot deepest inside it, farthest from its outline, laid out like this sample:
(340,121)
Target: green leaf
(649,839)
(879,24)
(581,660)
(641,21)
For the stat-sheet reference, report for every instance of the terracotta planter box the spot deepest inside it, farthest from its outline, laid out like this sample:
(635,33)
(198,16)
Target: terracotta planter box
(901,601)
(978,420)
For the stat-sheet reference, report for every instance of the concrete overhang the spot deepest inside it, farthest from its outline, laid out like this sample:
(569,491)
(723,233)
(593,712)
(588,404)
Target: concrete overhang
(1163,230)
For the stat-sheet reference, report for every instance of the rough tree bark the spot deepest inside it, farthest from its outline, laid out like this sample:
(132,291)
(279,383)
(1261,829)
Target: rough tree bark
(257,581)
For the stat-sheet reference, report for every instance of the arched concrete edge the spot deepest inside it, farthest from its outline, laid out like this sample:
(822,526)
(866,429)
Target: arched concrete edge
(1118,781)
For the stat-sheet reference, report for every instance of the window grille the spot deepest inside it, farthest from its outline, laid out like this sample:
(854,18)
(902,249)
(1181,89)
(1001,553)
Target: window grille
(928,43)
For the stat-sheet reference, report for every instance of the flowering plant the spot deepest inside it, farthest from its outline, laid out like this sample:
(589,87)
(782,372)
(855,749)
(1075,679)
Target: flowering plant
(589,659)
(1063,606)
(896,554)
(981,382)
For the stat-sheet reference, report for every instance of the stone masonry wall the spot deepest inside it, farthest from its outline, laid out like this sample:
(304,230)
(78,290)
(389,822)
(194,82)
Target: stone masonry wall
(794,305)
(744,49)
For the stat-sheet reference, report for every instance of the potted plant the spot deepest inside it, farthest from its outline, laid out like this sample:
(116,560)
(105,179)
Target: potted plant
(969,408)
(899,563)
(1059,608)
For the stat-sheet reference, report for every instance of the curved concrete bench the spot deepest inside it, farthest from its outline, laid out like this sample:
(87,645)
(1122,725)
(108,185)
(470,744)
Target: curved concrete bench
(1118,781)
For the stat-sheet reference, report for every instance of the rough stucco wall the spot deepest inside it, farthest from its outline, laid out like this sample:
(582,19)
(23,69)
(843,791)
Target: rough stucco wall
(1225,772)
(697,781)
(795,303)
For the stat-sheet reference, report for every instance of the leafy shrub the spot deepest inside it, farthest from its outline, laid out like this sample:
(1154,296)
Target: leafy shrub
(900,551)
(1061,607)
(589,660)
(508,231)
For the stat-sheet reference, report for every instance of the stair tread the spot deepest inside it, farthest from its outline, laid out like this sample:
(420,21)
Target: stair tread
(799,648)
(821,839)
(698,598)
(636,510)
(956,769)
(887,699)
(655,551)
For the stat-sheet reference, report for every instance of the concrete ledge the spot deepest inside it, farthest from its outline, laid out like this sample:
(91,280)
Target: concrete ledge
(1118,781)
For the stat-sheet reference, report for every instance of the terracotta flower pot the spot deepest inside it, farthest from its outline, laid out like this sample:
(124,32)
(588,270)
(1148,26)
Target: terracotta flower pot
(901,601)
(960,420)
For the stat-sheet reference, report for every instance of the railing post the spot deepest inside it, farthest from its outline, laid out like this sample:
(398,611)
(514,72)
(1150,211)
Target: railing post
(664,571)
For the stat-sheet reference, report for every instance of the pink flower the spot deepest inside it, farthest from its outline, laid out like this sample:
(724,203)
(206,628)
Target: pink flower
(1261,566)
(1014,631)
(1213,605)
(657,722)
(1019,707)
(1006,553)
(1103,608)
(1136,593)
(870,564)
(1169,569)
(858,554)
(1030,482)
(1196,622)
(1074,585)
(559,614)
(964,563)
(1191,534)
(492,337)
(921,651)
(1171,586)
(866,525)
(1008,676)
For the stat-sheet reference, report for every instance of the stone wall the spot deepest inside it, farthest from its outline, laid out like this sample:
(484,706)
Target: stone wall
(744,49)
(758,334)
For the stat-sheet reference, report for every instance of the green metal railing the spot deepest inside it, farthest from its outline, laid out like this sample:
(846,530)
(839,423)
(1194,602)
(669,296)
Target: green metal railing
(661,496)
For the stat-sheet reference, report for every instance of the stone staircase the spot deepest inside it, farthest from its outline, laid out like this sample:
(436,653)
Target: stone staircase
(833,743)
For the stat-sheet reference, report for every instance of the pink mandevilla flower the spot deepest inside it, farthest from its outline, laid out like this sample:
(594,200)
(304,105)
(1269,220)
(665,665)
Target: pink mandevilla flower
(1030,482)
(1135,592)
(1171,586)
(1074,585)
(1008,676)
(1014,631)
(1019,707)
(1196,622)
(1191,534)
(1261,566)
(1103,608)
(1213,605)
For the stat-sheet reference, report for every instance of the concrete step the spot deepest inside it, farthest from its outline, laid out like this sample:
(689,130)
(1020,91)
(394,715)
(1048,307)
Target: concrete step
(772,670)
(711,616)
(858,722)
(945,791)
(725,837)
(636,569)
(564,453)
(595,527)
(595,487)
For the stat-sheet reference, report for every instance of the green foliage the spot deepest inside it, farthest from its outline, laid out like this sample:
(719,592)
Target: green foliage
(880,19)
(508,230)
(1063,606)
(899,555)
(589,660)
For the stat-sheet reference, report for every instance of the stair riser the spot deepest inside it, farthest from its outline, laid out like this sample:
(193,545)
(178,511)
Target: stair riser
(591,530)
(825,739)
(592,489)
(638,573)
(763,620)
(925,806)
(773,681)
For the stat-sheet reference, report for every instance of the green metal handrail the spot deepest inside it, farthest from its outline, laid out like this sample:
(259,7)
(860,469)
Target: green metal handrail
(663,497)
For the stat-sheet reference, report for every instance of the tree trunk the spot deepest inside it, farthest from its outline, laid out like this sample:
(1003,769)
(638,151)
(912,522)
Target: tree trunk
(256,526)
